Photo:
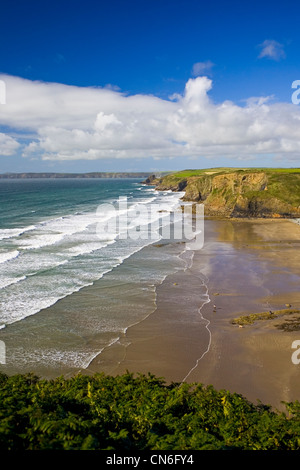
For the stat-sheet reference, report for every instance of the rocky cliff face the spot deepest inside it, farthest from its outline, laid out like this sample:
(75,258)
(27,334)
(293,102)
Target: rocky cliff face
(240,193)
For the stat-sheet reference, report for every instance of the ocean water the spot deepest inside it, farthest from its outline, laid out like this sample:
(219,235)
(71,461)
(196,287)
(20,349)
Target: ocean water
(80,260)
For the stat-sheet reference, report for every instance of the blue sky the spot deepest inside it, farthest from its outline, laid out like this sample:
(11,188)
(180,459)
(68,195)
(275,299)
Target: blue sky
(138,57)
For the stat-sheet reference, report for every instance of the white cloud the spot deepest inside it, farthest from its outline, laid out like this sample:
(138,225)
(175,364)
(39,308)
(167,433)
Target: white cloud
(202,68)
(70,123)
(272,50)
(8,145)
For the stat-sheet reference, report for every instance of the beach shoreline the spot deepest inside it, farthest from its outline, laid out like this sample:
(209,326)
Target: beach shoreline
(245,266)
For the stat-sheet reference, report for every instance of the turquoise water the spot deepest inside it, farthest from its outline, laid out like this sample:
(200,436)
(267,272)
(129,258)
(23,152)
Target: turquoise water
(71,284)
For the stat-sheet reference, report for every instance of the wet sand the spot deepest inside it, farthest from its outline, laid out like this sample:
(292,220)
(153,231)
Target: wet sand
(263,274)
(245,266)
(171,339)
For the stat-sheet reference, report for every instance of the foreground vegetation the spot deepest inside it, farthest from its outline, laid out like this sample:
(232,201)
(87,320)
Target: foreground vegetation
(136,413)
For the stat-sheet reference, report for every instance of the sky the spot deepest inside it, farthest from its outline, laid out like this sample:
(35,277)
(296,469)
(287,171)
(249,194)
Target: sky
(148,85)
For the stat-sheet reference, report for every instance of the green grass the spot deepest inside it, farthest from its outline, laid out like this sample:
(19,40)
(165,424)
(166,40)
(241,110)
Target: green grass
(221,170)
(201,172)
(285,186)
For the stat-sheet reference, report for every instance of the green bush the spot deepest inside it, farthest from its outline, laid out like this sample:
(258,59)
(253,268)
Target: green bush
(136,413)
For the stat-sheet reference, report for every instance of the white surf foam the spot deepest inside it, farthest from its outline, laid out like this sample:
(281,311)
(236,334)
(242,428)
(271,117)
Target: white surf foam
(62,255)
(10,281)
(4,257)
(14,232)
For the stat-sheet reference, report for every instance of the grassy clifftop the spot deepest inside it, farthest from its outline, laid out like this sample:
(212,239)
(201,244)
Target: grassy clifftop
(236,192)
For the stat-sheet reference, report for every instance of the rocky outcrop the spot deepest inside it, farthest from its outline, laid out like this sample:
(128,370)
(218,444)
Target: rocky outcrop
(166,184)
(151,180)
(240,193)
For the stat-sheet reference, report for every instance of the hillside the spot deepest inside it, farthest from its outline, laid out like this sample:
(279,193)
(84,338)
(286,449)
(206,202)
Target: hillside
(73,175)
(230,192)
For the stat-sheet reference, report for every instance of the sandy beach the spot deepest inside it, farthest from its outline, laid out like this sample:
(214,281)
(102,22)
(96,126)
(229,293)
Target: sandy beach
(245,266)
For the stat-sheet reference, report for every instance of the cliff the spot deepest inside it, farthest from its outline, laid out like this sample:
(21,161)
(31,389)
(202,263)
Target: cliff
(238,192)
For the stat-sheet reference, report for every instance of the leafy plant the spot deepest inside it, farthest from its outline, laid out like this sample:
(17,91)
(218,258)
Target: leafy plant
(125,412)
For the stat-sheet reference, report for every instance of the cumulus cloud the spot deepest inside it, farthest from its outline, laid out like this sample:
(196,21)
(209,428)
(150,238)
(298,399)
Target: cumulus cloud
(272,50)
(64,122)
(8,145)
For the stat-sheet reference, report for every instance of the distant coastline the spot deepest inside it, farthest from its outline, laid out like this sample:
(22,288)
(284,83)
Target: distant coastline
(75,175)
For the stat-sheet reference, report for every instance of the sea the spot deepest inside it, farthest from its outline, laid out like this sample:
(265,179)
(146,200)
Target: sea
(80,261)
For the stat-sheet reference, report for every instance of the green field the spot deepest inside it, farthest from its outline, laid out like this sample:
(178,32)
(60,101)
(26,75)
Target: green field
(221,170)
